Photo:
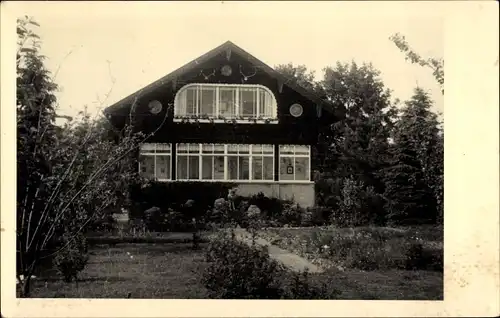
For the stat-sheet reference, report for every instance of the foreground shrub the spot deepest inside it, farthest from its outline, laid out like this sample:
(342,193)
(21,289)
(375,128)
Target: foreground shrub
(72,258)
(301,286)
(237,271)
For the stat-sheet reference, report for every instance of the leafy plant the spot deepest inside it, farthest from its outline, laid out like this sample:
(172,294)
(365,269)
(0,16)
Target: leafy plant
(72,258)
(237,271)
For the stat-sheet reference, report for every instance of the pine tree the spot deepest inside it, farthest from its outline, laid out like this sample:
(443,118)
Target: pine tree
(414,180)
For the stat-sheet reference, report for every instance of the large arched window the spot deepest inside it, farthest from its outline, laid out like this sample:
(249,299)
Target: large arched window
(225,101)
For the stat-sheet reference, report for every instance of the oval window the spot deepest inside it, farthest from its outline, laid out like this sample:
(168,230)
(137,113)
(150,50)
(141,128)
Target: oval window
(296,110)
(155,107)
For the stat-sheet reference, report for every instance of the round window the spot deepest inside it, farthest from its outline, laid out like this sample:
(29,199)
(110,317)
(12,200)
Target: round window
(226,70)
(296,110)
(155,107)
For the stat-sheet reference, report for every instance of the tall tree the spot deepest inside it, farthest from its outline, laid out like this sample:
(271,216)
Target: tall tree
(359,142)
(414,182)
(67,176)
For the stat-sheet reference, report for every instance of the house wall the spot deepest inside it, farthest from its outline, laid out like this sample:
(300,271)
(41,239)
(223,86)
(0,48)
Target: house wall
(301,193)
(302,130)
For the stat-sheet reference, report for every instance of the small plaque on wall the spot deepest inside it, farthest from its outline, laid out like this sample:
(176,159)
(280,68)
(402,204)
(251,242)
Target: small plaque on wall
(289,169)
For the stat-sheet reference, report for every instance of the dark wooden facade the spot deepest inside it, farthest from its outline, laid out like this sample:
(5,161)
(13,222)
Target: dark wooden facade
(288,130)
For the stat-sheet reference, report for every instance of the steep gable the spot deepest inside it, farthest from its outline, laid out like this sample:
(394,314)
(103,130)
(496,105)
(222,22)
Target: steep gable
(225,51)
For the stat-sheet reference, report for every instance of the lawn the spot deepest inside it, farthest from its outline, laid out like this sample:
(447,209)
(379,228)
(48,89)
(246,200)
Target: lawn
(169,270)
(370,262)
(173,270)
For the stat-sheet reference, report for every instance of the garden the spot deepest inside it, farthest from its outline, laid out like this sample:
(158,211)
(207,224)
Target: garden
(376,229)
(194,256)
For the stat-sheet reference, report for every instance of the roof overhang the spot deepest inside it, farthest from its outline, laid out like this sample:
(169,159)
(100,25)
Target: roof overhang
(225,47)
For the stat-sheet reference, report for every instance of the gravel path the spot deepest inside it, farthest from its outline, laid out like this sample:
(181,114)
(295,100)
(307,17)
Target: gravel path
(290,260)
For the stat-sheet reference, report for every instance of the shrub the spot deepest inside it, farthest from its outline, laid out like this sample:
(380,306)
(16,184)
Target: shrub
(72,258)
(175,195)
(154,219)
(301,286)
(174,221)
(291,214)
(358,205)
(237,271)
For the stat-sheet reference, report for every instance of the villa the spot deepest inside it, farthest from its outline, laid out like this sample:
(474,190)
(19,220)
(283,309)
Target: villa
(228,117)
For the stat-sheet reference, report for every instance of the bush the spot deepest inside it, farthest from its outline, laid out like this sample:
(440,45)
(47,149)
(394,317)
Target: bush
(174,195)
(291,214)
(237,271)
(358,205)
(72,258)
(301,286)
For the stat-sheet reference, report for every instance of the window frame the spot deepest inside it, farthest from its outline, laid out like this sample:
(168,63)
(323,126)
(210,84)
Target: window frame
(156,154)
(238,107)
(293,156)
(250,155)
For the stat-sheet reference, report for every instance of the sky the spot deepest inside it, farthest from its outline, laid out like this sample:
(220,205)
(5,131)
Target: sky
(96,49)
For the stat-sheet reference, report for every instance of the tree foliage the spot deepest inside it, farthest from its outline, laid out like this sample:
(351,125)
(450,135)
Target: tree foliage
(416,175)
(393,157)
(68,176)
(435,64)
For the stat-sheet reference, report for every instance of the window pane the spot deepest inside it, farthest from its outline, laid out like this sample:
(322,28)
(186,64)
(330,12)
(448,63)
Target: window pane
(191,101)
(301,168)
(233,149)
(286,149)
(301,150)
(182,169)
(268,149)
(244,168)
(194,167)
(218,148)
(262,102)
(286,168)
(148,148)
(147,165)
(257,168)
(256,149)
(180,106)
(207,148)
(244,149)
(232,168)
(207,101)
(163,167)
(163,148)
(219,168)
(206,167)
(194,148)
(248,102)
(268,168)
(227,102)
(182,148)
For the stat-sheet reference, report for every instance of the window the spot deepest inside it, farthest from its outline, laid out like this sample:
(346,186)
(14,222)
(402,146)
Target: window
(225,100)
(295,162)
(225,162)
(155,161)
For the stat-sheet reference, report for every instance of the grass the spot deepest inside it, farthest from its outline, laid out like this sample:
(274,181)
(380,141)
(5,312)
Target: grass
(370,262)
(148,271)
(173,270)
(354,284)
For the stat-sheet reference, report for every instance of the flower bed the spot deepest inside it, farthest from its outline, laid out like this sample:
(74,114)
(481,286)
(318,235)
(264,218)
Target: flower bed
(365,248)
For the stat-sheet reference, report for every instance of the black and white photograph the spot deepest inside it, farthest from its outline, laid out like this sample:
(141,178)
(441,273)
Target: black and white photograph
(229,150)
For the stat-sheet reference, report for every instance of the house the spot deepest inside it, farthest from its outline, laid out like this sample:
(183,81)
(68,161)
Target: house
(228,117)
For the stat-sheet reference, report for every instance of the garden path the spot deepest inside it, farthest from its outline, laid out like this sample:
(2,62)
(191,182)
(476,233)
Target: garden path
(290,260)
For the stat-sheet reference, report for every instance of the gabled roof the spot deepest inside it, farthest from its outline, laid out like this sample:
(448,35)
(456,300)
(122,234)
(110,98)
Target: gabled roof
(209,55)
